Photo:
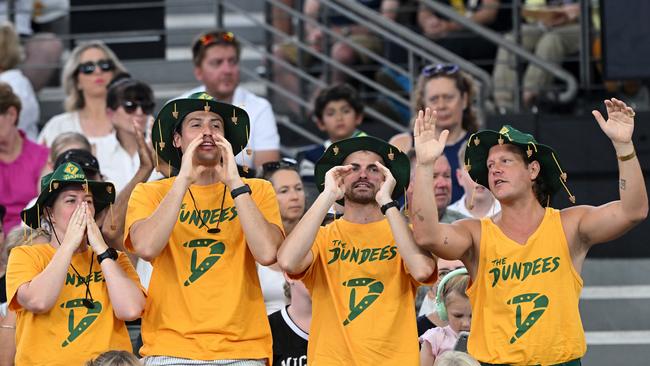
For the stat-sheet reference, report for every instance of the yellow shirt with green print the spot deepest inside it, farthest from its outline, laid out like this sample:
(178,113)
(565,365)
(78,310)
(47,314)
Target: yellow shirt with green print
(69,333)
(205,301)
(364,298)
(525,298)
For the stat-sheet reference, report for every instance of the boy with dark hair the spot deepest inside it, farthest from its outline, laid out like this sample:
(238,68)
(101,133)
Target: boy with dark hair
(338,111)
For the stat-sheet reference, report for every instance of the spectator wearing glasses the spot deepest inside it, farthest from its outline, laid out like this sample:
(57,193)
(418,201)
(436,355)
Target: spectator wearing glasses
(450,92)
(216,55)
(129,106)
(290,193)
(73,294)
(21,161)
(86,74)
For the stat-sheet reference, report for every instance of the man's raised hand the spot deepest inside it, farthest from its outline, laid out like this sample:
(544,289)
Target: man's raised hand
(620,121)
(384,194)
(427,147)
(334,181)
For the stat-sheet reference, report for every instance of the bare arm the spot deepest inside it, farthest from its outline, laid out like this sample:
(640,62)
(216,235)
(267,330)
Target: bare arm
(419,262)
(609,221)
(449,241)
(426,355)
(262,237)
(295,255)
(113,225)
(150,236)
(264,156)
(39,295)
(126,297)
(8,339)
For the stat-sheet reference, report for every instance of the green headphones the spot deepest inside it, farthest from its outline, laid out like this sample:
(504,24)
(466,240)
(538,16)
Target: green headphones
(440,303)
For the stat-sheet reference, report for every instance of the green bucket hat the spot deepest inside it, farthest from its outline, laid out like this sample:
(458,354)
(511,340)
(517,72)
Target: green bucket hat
(236,124)
(51,185)
(395,160)
(479,144)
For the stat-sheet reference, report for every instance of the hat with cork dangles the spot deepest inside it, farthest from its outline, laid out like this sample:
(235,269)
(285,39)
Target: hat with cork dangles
(478,148)
(170,117)
(67,174)
(395,160)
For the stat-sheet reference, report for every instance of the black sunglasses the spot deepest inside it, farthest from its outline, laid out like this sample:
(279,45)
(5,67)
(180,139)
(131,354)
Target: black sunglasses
(130,106)
(272,166)
(440,69)
(90,66)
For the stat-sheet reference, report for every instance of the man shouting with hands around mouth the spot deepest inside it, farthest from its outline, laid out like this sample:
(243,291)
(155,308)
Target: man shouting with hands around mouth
(525,261)
(203,230)
(362,269)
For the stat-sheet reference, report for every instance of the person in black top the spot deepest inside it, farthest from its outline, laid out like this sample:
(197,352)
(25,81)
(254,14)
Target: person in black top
(290,326)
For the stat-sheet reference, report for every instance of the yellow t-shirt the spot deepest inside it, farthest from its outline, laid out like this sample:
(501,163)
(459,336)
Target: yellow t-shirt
(204,299)
(525,298)
(68,334)
(363,298)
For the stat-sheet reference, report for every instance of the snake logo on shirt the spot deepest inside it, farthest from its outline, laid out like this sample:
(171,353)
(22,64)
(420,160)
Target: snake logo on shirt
(76,329)
(540,303)
(375,288)
(216,251)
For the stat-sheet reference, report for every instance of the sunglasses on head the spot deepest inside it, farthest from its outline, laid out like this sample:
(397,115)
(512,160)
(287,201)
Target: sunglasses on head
(440,69)
(131,106)
(90,66)
(272,166)
(211,38)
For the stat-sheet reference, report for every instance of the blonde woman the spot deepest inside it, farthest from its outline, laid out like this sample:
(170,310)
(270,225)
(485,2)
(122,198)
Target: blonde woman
(10,57)
(86,74)
(71,295)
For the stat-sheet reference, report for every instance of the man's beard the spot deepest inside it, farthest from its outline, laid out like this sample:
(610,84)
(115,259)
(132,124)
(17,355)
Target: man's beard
(360,198)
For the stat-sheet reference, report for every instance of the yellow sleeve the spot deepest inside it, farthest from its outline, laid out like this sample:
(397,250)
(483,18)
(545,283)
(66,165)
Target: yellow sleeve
(22,267)
(264,197)
(142,204)
(127,267)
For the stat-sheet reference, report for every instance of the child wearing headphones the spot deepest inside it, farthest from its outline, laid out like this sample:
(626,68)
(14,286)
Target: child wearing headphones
(453,306)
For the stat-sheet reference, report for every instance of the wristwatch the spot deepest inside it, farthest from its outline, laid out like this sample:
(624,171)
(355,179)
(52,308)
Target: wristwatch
(109,253)
(240,190)
(385,207)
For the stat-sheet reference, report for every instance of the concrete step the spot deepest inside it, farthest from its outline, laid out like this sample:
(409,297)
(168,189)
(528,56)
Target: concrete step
(182,28)
(618,354)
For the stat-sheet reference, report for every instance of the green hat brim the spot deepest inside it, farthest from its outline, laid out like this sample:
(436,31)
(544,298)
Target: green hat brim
(236,126)
(103,195)
(395,160)
(480,143)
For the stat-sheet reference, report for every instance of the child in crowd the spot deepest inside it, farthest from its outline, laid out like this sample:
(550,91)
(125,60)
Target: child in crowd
(455,358)
(338,112)
(453,306)
(115,358)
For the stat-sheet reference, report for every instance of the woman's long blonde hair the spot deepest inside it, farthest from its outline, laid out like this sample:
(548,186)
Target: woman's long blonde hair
(9,47)
(74,100)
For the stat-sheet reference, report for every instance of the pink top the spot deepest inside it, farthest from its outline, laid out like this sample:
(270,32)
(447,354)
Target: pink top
(441,339)
(19,180)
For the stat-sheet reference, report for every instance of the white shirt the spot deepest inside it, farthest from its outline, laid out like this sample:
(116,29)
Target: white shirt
(459,206)
(30,111)
(114,162)
(263,128)
(272,283)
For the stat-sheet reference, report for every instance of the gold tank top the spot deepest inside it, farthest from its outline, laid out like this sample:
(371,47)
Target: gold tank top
(525,298)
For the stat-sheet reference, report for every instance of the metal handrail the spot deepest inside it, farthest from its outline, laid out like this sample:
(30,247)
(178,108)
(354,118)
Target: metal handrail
(494,37)
(348,70)
(276,88)
(410,40)
(380,117)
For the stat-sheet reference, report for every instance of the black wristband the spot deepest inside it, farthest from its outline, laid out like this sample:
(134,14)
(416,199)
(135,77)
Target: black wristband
(241,190)
(110,253)
(385,207)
